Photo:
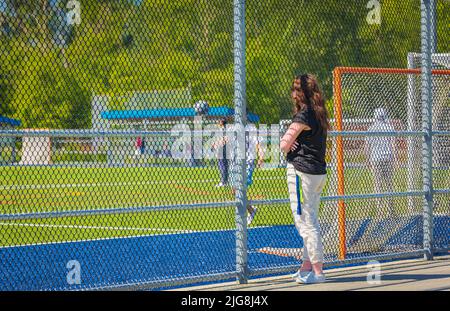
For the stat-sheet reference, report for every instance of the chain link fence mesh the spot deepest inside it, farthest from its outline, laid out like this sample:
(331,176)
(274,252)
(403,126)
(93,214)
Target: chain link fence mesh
(103,103)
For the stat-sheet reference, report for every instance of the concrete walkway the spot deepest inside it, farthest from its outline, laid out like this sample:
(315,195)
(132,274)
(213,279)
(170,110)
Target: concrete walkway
(406,275)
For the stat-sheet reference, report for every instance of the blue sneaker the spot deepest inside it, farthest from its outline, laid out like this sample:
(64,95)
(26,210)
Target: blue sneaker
(299,273)
(311,278)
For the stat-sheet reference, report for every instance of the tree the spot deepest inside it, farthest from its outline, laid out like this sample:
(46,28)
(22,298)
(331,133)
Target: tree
(122,47)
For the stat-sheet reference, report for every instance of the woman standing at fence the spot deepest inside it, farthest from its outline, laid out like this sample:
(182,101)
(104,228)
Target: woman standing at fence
(305,144)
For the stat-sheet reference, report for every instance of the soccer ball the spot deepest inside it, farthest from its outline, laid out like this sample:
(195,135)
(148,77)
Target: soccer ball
(201,107)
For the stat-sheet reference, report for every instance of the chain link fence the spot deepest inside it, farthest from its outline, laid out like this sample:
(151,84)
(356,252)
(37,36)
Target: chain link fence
(121,125)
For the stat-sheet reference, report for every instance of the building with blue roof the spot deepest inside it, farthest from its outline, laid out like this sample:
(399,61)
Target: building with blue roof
(8,122)
(158,119)
(153,111)
(173,114)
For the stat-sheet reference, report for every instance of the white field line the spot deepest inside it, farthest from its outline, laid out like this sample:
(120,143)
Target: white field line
(90,185)
(114,184)
(126,237)
(94,227)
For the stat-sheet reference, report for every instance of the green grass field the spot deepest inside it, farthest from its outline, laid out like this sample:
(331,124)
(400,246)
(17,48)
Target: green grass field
(49,189)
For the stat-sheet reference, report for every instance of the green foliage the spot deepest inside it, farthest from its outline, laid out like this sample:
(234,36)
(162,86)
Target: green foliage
(443,26)
(121,48)
(5,107)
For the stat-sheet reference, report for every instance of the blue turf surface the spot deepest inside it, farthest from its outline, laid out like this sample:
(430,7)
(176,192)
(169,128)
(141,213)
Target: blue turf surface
(150,258)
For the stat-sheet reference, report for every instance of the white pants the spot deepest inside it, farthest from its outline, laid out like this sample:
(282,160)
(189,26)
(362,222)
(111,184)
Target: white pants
(304,195)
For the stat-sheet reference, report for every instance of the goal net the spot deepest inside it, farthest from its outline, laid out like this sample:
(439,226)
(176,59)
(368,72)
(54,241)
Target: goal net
(441,104)
(383,100)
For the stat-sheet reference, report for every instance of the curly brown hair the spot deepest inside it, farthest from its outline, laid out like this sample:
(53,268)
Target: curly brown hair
(305,92)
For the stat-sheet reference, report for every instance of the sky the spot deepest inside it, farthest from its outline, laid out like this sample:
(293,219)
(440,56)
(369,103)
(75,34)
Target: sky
(3,6)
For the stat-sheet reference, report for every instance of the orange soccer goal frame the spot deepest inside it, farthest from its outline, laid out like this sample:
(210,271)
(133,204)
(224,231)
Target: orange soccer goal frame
(337,90)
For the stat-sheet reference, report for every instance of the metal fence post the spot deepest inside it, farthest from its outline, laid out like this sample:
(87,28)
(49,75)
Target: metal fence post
(427,106)
(240,121)
(433,26)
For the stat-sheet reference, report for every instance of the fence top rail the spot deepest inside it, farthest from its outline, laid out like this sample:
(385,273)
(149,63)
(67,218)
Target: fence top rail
(373,70)
(375,133)
(121,133)
(441,133)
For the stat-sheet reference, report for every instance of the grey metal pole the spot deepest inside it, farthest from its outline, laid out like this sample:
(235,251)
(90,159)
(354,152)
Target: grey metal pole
(240,121)
(412,126)
(427,144)
(433,26)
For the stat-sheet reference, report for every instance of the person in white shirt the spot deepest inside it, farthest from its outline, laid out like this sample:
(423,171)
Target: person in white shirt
(380,152)
(381,156)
